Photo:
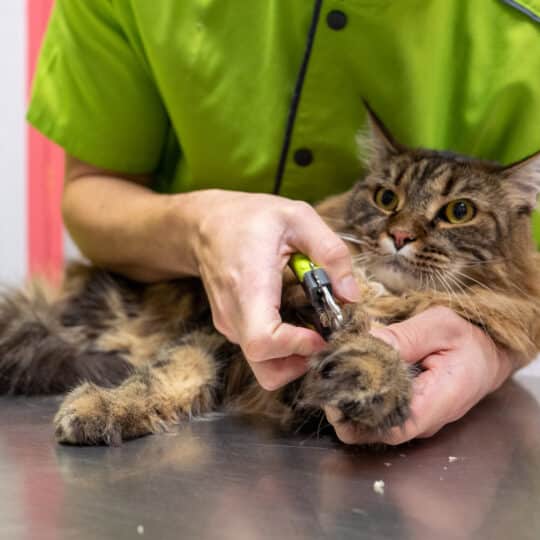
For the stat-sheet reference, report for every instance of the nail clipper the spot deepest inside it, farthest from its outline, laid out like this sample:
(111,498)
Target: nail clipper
(318,289)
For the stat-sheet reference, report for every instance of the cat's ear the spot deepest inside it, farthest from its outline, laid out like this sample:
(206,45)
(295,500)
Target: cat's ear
(376,145)
(523,181)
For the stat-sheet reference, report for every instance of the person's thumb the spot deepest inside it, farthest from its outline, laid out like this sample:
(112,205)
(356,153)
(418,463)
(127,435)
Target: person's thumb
(431,331)
(312,236)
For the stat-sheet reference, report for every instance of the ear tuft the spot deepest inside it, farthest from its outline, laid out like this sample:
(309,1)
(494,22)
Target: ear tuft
(524,180)
(376,145)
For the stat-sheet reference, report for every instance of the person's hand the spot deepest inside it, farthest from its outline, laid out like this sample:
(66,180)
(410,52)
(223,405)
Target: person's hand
(242,244)
(462,365)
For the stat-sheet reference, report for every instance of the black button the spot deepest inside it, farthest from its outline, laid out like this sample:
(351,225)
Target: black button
(336,20)
(303,157)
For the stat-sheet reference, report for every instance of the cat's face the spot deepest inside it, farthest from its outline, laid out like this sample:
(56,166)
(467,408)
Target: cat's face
(428,219)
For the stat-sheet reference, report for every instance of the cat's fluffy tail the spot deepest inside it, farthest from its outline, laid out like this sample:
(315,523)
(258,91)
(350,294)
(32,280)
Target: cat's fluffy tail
(38,355)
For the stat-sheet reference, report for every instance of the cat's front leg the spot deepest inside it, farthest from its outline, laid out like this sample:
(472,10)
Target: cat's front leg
(361,376)
(181,382)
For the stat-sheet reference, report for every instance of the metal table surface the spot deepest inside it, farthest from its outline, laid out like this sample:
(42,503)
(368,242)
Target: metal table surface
(232,478)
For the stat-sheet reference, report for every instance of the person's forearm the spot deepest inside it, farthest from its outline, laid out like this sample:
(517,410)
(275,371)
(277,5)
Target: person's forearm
(126,227)
(215,235)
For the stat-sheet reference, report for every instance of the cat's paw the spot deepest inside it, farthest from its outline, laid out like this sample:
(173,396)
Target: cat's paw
(92,415)
(365,380)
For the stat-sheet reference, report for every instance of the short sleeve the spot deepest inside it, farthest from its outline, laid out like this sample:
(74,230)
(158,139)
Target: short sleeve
(93,94)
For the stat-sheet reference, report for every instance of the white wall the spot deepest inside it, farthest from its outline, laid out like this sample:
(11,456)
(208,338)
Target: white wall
(12,141)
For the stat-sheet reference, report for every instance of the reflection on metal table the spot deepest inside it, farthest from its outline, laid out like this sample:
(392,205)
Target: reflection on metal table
(233,478)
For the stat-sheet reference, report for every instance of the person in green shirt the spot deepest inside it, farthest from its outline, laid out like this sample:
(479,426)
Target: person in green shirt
(194,131)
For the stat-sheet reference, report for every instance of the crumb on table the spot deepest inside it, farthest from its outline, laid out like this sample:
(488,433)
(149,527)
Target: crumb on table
(378,487)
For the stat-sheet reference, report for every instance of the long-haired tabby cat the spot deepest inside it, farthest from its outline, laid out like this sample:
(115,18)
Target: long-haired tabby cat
(425,228)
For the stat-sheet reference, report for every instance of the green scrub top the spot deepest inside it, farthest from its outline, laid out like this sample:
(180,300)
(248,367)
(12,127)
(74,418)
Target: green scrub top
(266,95)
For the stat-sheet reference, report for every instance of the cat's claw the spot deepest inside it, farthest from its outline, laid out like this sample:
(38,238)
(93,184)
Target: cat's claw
(365,380)
(92,415)
(72,429)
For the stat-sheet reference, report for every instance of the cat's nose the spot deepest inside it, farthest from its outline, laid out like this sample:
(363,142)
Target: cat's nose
(401,237)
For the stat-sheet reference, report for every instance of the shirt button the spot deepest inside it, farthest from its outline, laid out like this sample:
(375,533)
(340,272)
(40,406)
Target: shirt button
(303,157)
(336,20)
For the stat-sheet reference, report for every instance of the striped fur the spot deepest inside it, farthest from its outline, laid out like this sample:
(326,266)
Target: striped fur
(137,358)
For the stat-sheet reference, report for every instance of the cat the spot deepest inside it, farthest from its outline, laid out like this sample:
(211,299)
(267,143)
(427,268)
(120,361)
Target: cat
(425,228)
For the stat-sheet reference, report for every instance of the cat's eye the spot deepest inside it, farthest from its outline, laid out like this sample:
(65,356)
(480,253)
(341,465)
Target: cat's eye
(386,199)
(459,211)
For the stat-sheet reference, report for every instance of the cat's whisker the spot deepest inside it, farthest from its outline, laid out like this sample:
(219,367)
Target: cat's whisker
(494,260)
(516,316)
(369,256)
(443,282)
(323,418)
(354,239)
(379,258)
(361,264)
(475,281)
(519,289)
(457,297)
(364,254)
(306,420)
(468,298)
(446,286)
(432,282)
(362,257)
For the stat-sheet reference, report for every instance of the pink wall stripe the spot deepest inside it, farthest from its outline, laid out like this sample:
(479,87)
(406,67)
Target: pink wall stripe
(45,169)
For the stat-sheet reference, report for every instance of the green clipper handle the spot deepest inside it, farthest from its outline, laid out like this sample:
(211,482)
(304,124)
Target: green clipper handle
(300,265)
(317,287)
(312,277)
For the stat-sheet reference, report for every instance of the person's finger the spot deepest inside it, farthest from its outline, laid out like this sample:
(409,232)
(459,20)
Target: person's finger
(265,336)
(275,373)
(433,330)
(333,414)
(350,433)
(276,351)
(442,394)
(311,235)
(280,341)
(428,408)
(425,406)
(346,431)
(438,399)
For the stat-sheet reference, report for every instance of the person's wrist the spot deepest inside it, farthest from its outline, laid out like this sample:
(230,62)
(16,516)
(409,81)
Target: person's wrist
(188,216)
(184,215)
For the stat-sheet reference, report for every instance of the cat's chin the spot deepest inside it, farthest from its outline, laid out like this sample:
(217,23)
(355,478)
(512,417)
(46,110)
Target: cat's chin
(394,277)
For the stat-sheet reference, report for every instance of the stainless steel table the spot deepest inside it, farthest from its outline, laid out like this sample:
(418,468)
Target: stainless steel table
(231,478)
